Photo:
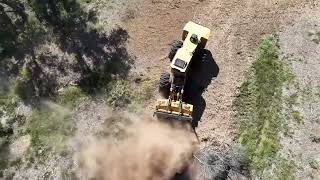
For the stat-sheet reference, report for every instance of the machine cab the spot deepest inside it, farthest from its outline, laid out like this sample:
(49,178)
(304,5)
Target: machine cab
(194,36)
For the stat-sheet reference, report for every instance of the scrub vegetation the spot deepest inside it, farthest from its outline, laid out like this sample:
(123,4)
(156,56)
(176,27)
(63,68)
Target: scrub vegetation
(259,111)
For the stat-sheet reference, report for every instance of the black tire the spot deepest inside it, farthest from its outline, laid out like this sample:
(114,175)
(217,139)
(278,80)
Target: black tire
(164,86)
(174,48)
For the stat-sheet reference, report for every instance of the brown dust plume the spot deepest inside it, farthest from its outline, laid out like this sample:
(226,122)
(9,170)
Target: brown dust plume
(150,151)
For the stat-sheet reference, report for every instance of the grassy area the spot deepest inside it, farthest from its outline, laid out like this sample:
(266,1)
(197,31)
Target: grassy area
(142,94)
(123,94)
(52,123)
(49,127)
(259,110)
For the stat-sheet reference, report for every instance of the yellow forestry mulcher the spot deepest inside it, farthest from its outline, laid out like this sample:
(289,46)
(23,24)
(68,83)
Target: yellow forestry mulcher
(172,85)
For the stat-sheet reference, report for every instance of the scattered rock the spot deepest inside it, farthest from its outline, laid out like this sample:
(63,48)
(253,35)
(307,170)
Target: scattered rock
(137,79)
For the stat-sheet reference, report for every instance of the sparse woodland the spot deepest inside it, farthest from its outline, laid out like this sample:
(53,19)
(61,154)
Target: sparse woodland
(75,69)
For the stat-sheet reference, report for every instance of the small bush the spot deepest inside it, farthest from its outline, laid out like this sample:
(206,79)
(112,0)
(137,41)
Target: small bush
(297,117)
(120,94)
(315,37)
(71,96)
(23,86)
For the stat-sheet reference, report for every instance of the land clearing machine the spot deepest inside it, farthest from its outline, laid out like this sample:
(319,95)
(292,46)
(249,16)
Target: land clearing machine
(172,85)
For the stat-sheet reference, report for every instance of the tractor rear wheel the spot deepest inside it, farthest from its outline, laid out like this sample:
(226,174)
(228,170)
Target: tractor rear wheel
(174,48)
(164,86)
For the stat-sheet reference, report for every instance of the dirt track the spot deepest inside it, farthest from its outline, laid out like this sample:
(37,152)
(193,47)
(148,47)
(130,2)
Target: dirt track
(237,27)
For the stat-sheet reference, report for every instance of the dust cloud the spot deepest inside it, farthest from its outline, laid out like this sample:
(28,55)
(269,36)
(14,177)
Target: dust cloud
(151,151)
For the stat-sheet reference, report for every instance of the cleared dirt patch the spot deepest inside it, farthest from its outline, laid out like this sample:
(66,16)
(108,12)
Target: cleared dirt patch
(237,27)
(156,24)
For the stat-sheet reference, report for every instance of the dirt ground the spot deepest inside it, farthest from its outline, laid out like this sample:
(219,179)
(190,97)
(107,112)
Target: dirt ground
(302,51)
(237,28)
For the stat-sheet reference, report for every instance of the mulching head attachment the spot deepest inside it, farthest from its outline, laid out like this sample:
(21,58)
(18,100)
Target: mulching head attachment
(174,110)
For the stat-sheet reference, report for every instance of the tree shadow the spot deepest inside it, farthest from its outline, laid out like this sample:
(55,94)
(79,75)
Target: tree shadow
(203,71)
(12,21)
(35,83)
(99,56)
(20,34)
(185,175)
